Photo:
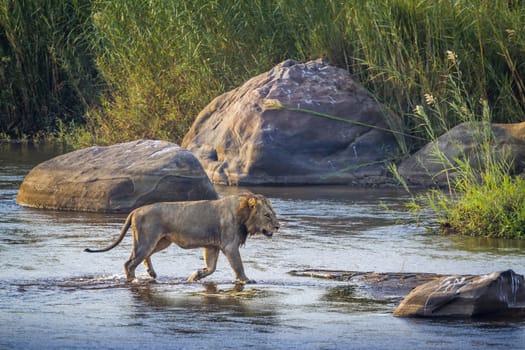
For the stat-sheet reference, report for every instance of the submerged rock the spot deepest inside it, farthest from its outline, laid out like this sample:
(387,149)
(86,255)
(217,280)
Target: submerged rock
(466,296)
(116,178)
(243,137)
(380,286)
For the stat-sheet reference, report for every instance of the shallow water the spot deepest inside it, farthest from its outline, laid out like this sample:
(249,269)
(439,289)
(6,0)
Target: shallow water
(53,295)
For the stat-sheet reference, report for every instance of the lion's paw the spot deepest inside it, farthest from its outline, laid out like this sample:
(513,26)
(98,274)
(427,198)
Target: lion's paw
(246,281)
(194,277)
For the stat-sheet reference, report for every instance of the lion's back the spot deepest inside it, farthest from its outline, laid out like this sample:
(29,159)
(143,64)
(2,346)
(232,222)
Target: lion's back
(192,218)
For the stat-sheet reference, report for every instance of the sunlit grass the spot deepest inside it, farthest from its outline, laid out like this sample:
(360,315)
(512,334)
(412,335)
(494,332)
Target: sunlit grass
(482,197)
(494,206)
(163,61)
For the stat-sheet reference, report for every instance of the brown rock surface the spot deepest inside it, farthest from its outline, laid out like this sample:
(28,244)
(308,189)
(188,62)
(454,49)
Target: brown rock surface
(242,139)
(116,178)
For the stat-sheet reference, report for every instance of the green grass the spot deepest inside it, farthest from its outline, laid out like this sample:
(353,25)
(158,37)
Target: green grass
(120,70)
(482,197)
(492,207)
(165,60)
(47,65)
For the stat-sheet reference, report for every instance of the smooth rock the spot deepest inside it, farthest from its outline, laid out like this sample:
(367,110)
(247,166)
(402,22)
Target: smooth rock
(116,178)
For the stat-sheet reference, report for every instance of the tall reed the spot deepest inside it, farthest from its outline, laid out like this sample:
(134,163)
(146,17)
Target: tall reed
(47,67)
(162,61)
(165,60)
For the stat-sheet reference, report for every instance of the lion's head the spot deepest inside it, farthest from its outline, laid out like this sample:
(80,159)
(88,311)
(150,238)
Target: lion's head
(259,215)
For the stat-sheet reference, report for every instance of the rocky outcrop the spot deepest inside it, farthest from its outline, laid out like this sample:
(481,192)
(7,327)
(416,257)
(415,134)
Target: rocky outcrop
(466,296)
(263,132)
(433,295)
(433,165)
(117,178)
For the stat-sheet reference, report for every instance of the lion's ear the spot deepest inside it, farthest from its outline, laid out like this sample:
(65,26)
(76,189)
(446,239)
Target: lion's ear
(252,202)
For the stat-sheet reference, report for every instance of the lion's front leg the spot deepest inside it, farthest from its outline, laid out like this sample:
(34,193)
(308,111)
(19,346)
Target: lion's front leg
(211,256)
(234,258)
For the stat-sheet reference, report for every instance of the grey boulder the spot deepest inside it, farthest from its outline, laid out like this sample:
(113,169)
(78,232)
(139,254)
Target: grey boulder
(434,164)
(264,133)
(116,178)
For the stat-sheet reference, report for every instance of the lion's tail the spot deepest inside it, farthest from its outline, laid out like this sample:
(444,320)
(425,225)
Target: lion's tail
(123,231)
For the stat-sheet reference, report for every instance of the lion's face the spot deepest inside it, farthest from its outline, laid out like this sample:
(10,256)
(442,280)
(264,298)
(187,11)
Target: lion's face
(262,217)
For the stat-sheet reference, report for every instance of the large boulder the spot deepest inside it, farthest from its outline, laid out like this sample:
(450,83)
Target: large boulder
(433,165)
(117,178)
(256,134)
(466,296)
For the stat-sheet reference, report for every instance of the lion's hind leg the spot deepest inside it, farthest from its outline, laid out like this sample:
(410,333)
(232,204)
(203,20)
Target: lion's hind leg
(130,266)
(141,252)
(211,254)
(162,244)
(149,267)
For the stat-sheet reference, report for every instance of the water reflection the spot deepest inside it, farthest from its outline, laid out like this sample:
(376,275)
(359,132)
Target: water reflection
(207,309)
(17,157)
(484,244)
(220,298)
(54,296)
(351,298)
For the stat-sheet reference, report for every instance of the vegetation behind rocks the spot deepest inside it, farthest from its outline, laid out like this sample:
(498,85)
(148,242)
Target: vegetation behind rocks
(119,70)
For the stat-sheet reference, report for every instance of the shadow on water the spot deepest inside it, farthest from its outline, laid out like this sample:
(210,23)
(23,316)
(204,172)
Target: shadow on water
(351,298)
(484,244)
(206,297)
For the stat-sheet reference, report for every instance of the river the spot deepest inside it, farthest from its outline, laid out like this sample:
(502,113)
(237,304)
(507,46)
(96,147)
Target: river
(53,295)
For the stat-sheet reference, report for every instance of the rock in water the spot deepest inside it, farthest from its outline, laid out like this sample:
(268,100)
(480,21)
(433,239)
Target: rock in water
(433,165)
(465,296)
(243,137)
(116,178)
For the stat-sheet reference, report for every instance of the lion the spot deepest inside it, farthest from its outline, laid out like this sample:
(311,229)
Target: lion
(221,225)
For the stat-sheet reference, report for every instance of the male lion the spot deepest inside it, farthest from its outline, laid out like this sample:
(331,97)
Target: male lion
(216,225)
